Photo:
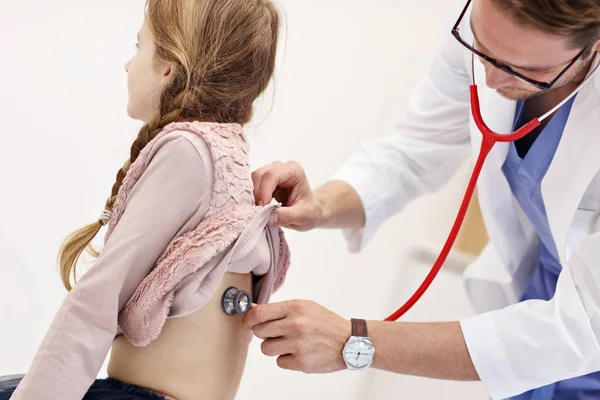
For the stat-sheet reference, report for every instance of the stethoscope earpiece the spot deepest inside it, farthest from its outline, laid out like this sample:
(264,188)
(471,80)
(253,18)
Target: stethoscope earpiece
(236,301)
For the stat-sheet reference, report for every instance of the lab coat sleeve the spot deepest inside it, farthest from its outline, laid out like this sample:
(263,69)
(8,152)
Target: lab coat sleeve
(427,146)
(535,343)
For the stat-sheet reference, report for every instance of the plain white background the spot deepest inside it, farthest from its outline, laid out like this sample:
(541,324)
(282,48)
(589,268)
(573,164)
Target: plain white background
(345,72)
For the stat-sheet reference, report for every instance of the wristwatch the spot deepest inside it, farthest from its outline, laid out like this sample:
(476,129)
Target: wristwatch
(359,352)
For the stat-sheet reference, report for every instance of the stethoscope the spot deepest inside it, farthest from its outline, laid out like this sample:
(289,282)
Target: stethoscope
(490,138)
(235,301)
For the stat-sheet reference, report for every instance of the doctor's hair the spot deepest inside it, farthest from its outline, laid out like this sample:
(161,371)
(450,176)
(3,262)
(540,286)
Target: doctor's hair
(223,53)
(578,20)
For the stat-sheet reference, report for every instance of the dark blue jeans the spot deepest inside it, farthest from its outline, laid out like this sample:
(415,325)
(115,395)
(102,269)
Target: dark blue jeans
(101,389)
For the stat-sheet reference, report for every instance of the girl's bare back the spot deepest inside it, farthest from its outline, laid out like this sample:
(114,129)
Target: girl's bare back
(201,355)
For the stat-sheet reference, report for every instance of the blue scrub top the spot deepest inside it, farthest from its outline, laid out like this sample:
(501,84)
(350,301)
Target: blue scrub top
(525,176)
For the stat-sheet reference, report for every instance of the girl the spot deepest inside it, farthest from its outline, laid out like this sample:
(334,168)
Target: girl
(182,224)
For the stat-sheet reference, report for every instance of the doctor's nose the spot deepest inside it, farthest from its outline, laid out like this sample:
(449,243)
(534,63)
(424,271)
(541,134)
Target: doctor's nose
(497,79)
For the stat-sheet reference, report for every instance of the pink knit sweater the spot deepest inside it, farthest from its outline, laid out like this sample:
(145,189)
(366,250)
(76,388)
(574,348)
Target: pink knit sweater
(231,210)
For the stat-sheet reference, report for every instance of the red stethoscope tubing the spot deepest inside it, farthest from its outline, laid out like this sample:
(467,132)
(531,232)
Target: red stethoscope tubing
(490,138)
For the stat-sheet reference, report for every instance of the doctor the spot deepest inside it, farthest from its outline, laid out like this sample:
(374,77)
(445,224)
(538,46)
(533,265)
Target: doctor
(536,286)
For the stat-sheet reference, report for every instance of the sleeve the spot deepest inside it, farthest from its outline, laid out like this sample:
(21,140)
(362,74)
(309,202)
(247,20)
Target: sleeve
(172,189)
(535,343)
(427,146)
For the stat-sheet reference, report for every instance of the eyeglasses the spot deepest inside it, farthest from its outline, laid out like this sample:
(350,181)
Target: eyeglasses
(506,68)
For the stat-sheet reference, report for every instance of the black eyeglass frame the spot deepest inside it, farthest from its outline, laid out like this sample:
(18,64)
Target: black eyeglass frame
(506,68)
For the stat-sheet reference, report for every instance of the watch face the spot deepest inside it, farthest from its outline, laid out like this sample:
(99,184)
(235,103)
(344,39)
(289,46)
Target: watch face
(359,353)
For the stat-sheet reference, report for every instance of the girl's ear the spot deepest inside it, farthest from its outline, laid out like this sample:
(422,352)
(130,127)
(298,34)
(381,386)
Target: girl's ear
(165,71)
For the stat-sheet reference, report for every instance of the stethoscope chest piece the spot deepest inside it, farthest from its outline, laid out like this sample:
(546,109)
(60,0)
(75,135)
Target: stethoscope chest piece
(236,301)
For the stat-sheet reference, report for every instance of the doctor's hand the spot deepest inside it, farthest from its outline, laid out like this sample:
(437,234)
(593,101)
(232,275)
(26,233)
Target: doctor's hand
(303,335)
(288,184)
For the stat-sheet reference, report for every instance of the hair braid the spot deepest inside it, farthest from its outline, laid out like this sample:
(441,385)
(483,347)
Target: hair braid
(172,109)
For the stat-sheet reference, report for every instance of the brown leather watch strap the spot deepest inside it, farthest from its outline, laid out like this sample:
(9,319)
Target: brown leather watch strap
(359,327)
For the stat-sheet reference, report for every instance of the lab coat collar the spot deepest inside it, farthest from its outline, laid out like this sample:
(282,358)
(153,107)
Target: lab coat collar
(576,162)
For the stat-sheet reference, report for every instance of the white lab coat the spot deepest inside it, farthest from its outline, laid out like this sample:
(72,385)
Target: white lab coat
(515,347)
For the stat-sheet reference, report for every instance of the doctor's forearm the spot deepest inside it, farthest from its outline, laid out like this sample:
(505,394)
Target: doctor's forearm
(433,350)
(341,206)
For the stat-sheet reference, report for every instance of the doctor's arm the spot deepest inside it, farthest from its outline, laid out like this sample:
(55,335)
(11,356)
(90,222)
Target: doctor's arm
(428,144)
(304,336)
(512,350)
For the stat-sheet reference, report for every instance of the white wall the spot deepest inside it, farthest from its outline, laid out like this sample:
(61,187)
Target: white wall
(345,74)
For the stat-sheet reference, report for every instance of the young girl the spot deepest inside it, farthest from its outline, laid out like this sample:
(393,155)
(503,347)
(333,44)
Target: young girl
(182,224)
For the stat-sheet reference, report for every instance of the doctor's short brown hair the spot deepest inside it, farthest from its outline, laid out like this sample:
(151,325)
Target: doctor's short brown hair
(575,19)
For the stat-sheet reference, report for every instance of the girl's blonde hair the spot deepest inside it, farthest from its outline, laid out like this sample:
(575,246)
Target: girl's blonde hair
(223,53)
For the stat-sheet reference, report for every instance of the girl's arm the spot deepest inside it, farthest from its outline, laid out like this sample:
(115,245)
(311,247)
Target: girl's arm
(175,188)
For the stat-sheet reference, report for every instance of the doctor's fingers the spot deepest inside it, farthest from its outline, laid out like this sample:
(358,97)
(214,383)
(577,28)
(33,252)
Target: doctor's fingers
(280,180)
(289,327)
(257,178)
(280,346)
(263,313)
(265,191)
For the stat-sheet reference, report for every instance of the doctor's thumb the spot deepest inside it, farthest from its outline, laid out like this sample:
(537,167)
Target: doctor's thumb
(299,217)
(284,217)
